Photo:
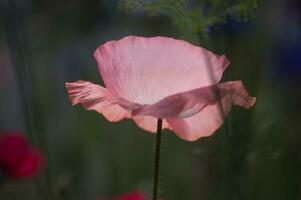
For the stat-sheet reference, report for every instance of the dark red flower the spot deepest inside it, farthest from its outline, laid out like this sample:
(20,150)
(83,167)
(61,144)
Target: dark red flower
(135,195)
(18,158)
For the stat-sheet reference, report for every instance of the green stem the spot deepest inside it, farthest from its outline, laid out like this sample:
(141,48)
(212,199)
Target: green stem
(157,160)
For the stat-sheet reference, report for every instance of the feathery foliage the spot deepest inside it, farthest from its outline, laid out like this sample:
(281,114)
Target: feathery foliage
(195,16)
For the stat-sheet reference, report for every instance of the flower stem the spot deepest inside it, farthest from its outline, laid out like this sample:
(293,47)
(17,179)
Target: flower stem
(157,159)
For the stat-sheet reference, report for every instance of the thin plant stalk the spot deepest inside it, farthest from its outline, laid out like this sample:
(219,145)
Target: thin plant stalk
(157,160)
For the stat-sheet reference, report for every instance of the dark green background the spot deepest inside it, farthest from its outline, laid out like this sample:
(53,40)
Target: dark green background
(255,155)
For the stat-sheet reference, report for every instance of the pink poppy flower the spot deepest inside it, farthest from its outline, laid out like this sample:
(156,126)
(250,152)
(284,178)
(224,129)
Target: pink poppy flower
(161,77)
(135,195)
(18,159)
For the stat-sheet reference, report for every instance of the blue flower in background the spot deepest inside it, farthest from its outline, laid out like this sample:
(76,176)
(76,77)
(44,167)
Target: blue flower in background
(231,26)
(287,60)
(285,40)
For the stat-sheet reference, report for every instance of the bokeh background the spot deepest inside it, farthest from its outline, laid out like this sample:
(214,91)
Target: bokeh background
(255,155)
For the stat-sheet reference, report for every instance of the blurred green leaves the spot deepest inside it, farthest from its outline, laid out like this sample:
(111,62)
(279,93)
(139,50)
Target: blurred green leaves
(194,17)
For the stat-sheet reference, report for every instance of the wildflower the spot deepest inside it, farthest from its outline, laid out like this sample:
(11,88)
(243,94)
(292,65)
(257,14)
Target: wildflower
(135,195)
(161,77)
(18,159)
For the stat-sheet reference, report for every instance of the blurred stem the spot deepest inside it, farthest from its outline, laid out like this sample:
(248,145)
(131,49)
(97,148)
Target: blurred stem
(157,159)
(212,78)
(14,19)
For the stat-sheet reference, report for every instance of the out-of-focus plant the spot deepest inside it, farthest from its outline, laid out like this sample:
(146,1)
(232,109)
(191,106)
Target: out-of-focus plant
(194,17)
(18,159)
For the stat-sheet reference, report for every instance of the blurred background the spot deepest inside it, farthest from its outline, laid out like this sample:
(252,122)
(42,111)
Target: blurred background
(254,155)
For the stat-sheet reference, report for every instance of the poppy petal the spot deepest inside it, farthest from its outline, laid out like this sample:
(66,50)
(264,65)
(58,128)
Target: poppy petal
(146,70)
(189,103)
(13,149)
(136,195)
(211,117)
(149,123)
(95,97)
(30,165)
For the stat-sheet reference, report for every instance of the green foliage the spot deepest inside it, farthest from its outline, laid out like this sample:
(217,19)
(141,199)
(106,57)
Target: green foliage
(194,16)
